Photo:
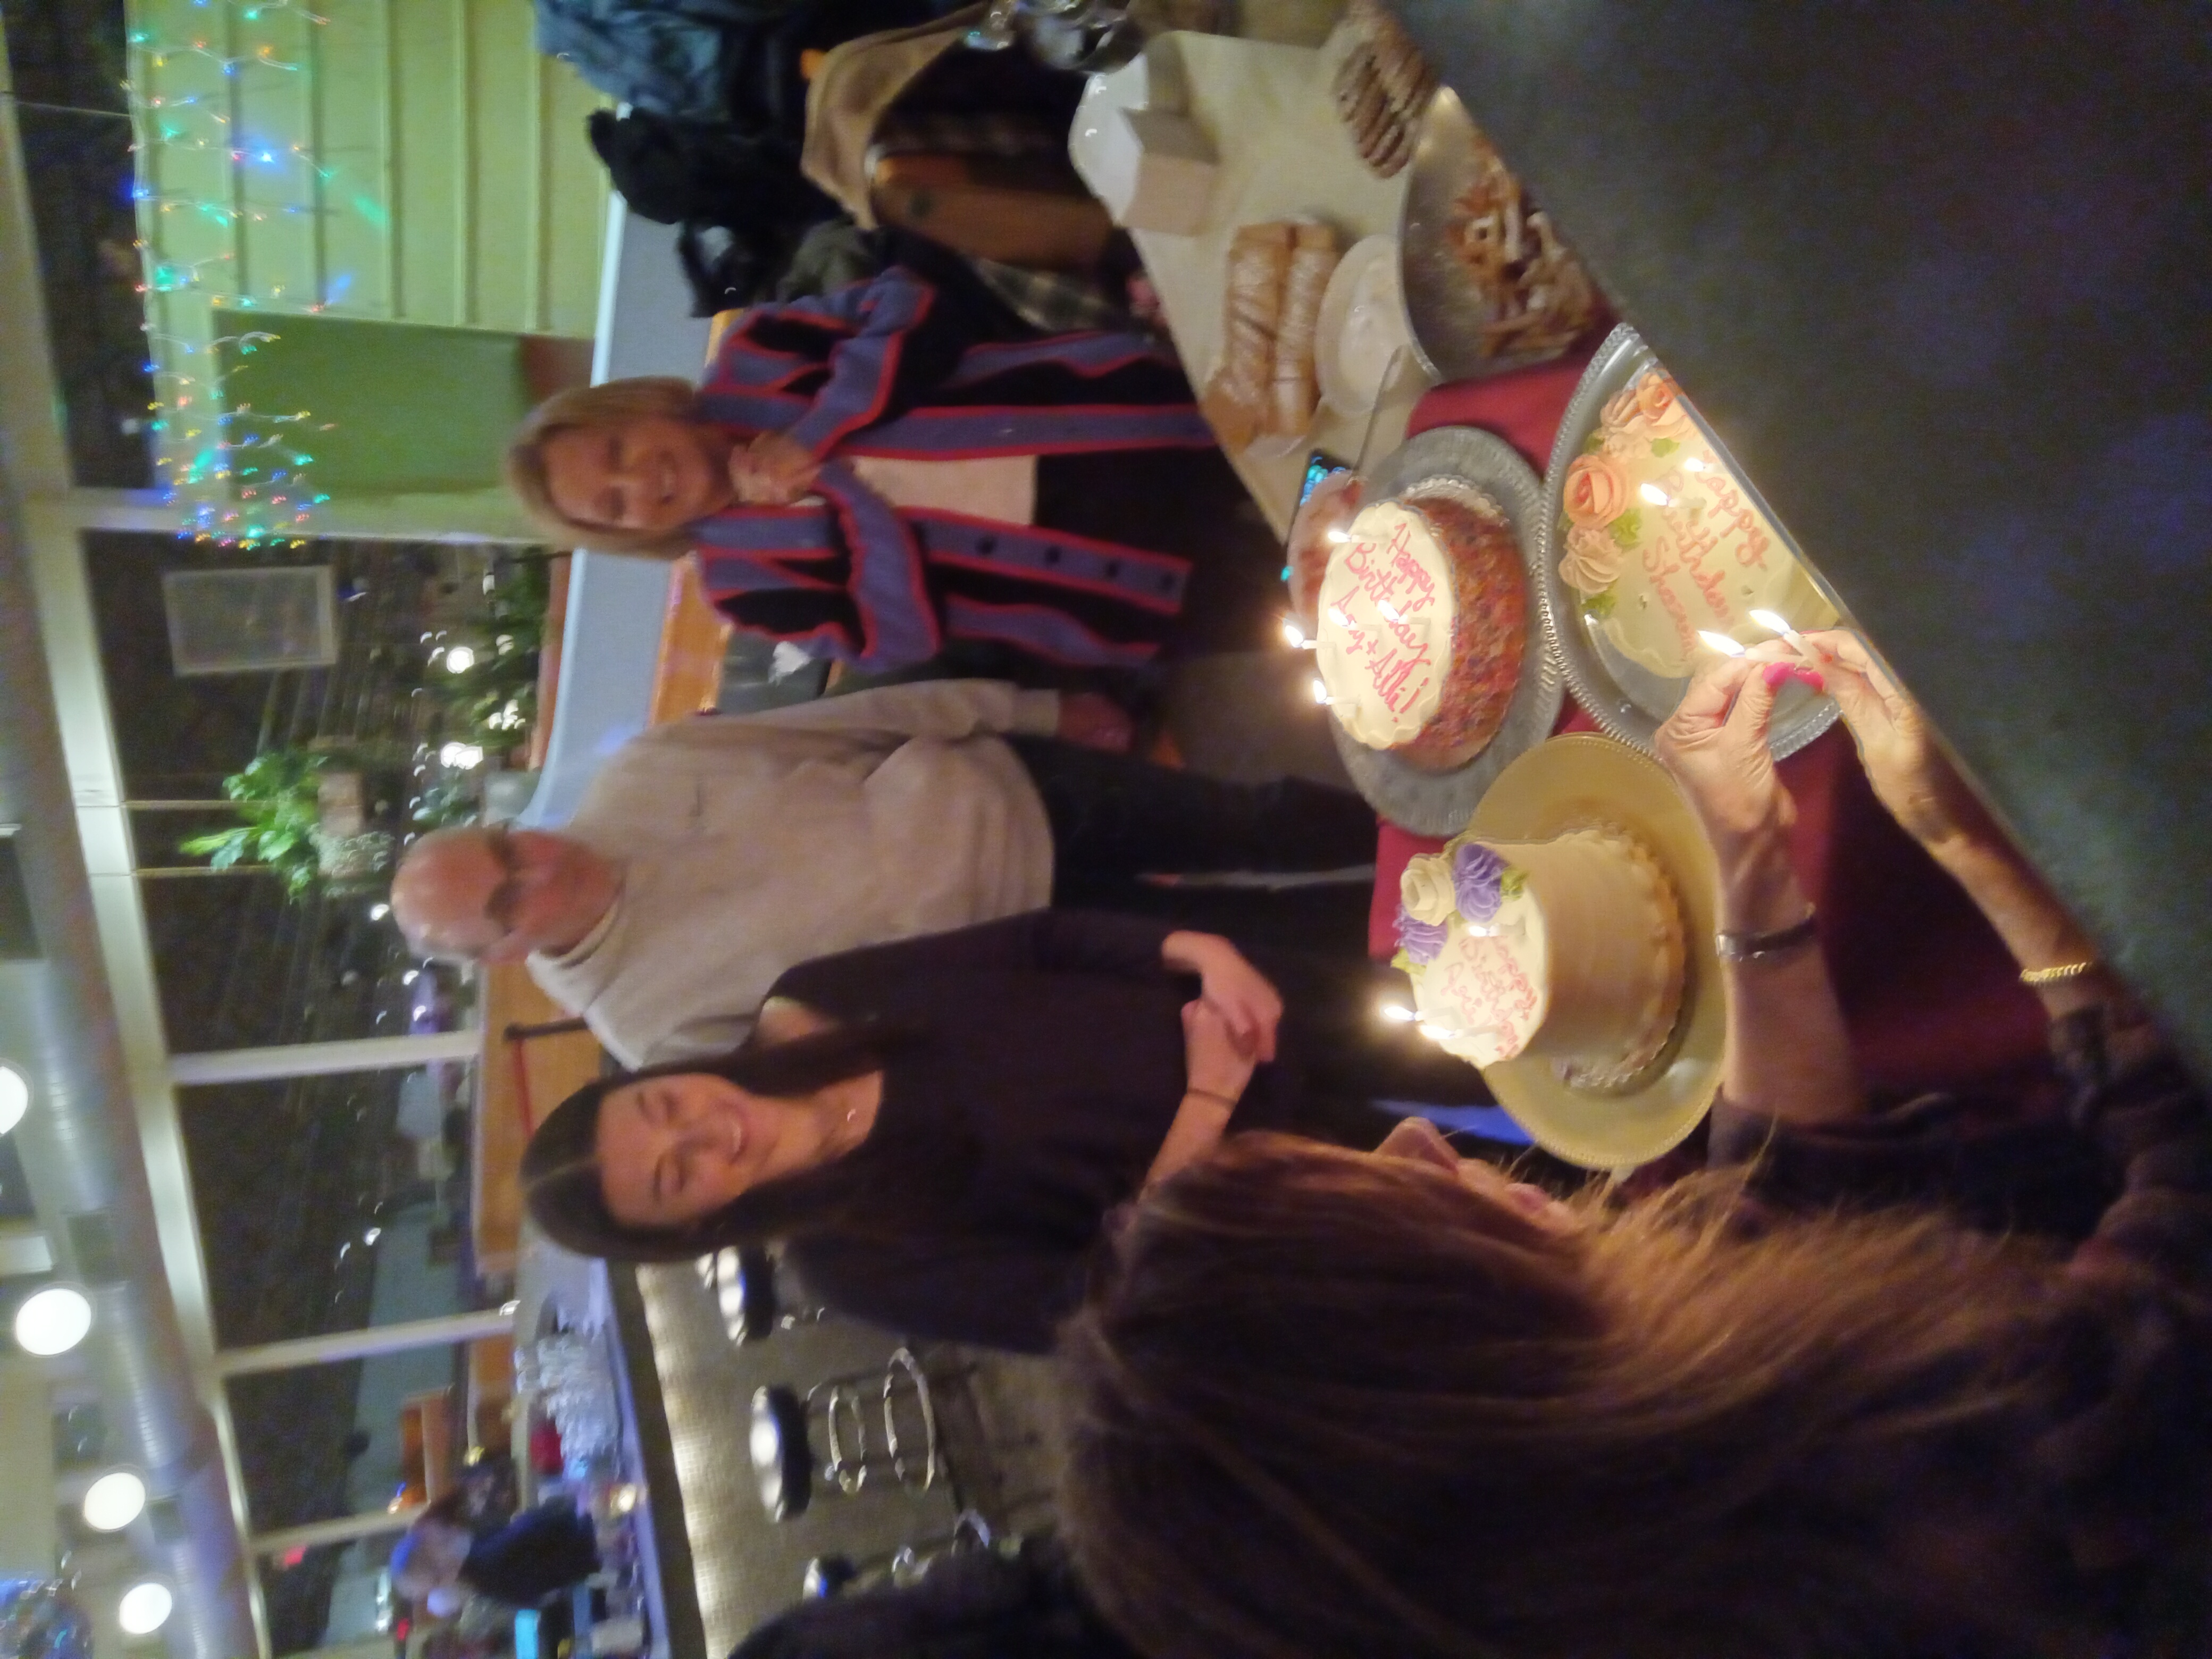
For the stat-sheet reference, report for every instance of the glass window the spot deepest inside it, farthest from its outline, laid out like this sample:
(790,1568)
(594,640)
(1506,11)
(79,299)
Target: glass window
(334,1203)
(67,67)
(340,764)
(369,1437)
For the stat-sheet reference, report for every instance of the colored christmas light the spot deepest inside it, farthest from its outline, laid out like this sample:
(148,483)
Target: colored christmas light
(238,476)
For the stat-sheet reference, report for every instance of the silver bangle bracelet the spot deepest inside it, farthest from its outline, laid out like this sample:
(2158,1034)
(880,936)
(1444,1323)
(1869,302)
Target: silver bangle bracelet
(1780,941)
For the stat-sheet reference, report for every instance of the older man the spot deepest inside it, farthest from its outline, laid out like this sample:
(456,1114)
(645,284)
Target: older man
(709,855)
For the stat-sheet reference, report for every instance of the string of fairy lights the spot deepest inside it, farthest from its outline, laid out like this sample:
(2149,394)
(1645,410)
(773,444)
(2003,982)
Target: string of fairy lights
(239,477)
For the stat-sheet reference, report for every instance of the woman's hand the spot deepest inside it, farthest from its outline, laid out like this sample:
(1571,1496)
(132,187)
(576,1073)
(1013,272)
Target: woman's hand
(1244,998)
(1094,721)
(1911,773)
(1915,780)
(1216,1061)
(1716,745)
(772,471)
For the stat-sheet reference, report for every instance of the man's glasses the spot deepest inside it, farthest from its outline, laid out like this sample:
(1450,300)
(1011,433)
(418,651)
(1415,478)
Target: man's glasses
(507,898)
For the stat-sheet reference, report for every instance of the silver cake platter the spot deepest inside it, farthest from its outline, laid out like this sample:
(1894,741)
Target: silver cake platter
(1626,698)
(1440,803)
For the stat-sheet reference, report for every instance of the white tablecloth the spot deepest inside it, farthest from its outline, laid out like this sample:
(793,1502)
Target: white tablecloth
(1268,111)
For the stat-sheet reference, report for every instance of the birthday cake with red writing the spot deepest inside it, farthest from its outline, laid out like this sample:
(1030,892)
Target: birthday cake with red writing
(1422,619)
(1662,542)
(1570,948)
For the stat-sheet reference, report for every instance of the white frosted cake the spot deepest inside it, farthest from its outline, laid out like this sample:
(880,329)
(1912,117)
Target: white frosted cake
(1422,619)
(1662,543)
(1570,948)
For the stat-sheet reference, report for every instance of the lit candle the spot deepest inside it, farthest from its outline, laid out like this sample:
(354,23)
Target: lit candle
(1389,610)
(1293,633)
(1693,464)
(1775,621)
(1338,536)
(1320,691)
(1720,642)
(1436,1033)
(1653,494)
(1336,615)
(1399,1013)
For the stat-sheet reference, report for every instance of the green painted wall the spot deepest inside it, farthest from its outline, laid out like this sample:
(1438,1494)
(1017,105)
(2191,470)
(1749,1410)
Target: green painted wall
(410,164)
(409,407)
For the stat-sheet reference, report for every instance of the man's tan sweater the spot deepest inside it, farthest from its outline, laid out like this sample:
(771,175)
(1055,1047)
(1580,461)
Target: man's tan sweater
(748,843)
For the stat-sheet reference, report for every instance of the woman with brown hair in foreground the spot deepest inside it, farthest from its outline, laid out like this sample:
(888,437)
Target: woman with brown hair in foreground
(1324,1403)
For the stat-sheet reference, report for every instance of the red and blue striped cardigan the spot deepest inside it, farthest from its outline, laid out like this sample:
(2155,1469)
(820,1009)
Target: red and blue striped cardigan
(878,369)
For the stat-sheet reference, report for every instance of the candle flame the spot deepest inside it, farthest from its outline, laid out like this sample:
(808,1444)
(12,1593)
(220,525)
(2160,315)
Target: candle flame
(1774,622)
(1653,494)
(1720,642)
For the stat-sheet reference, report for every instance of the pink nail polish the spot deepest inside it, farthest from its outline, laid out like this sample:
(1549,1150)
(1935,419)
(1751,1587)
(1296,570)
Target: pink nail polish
(1811,677)
(1774,674)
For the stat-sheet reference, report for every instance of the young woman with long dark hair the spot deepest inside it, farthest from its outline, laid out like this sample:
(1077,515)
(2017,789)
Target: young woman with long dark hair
(936,1130)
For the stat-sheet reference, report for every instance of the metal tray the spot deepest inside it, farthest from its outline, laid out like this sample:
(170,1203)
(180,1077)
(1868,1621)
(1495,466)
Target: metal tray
(1626,698)
(1444,309)
(1440,803)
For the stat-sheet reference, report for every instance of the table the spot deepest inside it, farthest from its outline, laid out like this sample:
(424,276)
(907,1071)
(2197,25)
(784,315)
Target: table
(1930,993)
(1939,276)
(1283,153)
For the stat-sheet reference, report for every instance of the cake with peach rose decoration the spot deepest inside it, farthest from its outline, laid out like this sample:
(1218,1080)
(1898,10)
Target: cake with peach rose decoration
(1662,543)
(1423,618)
(1570,948)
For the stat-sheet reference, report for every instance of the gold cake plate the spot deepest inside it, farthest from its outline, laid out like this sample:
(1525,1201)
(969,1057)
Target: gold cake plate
(1582,782)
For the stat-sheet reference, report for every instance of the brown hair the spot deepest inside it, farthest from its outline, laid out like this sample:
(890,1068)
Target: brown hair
(611,403)
(1327,1403)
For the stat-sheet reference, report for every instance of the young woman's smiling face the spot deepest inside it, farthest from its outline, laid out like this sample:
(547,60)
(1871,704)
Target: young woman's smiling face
(674,1149)
(652,475)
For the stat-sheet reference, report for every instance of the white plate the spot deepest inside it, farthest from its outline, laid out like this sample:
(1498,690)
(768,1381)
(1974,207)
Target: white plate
(1363,325)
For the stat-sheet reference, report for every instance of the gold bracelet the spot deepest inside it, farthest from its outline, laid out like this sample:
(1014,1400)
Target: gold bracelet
(2060,974)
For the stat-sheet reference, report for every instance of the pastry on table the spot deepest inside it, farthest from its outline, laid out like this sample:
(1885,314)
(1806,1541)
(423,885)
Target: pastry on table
(1382,88)
(1264,383)
(1237,394)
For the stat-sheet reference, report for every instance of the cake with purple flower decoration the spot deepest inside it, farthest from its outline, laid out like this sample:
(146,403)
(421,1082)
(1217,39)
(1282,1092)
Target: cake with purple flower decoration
(1570,948)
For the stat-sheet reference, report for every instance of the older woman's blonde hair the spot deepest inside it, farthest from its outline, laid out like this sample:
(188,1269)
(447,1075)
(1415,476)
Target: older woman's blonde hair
(611,403)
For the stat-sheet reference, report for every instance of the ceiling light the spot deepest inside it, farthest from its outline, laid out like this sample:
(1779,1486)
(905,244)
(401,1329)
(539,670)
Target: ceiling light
(53,1321)
(15,1098)
(114,1501)
(144,1608)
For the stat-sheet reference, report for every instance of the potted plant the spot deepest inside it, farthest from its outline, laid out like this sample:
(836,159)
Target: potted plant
(307,817)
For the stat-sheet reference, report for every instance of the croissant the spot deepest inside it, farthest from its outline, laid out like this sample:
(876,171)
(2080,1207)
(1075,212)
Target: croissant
(1236,397)
(1290,404)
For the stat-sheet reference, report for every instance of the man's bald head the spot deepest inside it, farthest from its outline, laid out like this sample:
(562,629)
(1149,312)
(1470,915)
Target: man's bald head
(491,894)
